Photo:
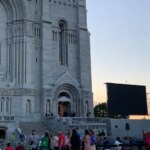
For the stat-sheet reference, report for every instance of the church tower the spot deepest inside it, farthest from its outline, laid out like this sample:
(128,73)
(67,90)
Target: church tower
(45,65)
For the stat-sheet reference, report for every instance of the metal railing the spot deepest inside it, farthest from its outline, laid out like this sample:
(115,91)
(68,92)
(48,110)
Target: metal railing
(138,146)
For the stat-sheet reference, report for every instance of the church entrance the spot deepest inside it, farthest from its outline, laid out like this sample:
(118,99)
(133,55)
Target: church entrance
(64,109)
(64,105)
(67,101)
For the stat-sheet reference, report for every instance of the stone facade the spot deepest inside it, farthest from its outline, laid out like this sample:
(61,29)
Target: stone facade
(44,59)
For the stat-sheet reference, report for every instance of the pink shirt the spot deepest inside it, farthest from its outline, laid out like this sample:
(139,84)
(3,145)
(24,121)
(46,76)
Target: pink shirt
(87,142)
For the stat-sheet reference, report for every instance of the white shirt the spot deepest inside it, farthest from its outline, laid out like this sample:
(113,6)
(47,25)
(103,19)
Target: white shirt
(118,143)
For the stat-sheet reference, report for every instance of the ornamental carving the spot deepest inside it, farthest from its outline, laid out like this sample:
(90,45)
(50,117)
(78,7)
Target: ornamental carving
(18,92)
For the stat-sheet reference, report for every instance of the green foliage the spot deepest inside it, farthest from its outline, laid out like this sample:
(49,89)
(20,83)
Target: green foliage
(101,110)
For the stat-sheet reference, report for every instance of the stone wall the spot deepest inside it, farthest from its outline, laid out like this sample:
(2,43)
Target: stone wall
(31,74)
(136,127)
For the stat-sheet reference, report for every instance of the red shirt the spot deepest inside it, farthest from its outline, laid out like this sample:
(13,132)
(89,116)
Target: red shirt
(147,138)
(20,147)
(9,148)
(61,140)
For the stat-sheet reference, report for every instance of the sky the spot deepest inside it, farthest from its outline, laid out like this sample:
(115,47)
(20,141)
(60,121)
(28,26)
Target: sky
(120,44)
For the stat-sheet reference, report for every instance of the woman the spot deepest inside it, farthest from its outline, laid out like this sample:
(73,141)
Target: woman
(75,140)
(92,139)
(86,141)
(67,140)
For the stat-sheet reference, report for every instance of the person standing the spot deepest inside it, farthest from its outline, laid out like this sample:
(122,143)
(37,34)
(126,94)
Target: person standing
(54,142)
(86,141)
(22,136)
(67,140)
(33,139)
(118,143)
(45,141)
(78,132)
(19,146)
(13,139)
(147,140)
(61,141)
(93,140)
(75,140)
(106,143)
(9,147)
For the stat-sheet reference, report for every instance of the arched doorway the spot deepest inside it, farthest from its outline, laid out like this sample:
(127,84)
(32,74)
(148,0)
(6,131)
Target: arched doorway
(67,98)
(64,104)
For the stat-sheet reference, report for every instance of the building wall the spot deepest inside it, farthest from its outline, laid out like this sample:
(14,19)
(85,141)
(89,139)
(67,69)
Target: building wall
(76,73)
(31,74)
(136,127)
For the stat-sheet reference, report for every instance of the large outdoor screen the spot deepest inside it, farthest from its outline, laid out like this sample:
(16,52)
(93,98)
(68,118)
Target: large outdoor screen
(124,99)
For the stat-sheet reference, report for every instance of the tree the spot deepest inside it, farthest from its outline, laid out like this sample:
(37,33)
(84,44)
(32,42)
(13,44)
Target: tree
(100,110)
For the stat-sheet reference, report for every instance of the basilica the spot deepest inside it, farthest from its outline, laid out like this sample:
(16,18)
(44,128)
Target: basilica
(45,66)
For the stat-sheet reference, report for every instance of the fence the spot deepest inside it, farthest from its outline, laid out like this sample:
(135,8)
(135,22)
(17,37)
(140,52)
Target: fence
(140,146)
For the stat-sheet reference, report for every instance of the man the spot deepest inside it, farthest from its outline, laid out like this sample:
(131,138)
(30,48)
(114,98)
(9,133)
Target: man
(13,139)
(34,139)
(22,136)
(45,141)
(19,146)
(9,147)
(61,141)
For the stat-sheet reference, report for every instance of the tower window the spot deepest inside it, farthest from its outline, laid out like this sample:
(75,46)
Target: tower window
(7,106)
(28,107)
(1,105)
(63,48)
(48,105)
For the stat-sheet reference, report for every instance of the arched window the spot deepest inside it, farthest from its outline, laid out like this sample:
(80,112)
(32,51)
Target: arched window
(28,107)
(48,107)
(2,105)
(7,106)
(63,44)
(86,108)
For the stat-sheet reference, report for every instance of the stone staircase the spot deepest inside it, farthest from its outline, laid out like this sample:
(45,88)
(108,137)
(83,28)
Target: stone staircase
(65,123)
(27,127)
(54,124)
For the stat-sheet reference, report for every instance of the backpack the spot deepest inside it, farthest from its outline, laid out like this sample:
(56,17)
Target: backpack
(93,140)
(22,136)
(44,142)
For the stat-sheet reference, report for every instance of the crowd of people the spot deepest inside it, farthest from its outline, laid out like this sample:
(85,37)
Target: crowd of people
(63,141)
(73,140)
(123,143)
